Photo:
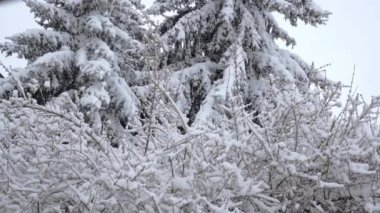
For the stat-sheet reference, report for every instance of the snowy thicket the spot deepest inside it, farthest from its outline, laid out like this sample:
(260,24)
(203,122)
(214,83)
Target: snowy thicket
(208,114)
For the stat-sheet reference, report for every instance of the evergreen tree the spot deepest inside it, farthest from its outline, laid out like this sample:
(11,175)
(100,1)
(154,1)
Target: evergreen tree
(90,48)
(218,49)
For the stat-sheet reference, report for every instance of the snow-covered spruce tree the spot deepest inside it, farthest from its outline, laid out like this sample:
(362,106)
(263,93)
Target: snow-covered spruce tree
(219,48)
(91,48)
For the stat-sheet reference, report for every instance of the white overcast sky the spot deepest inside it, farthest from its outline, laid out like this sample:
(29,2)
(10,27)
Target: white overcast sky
(351,37)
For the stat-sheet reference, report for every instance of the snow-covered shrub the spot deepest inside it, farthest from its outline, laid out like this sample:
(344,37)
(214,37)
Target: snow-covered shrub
(300,157)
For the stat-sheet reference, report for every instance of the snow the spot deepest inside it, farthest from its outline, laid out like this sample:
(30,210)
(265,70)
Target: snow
(96,69)
(294,156)
(227,12)
(361,168)
(96,96)
(181,183)
(95,23)
(372,207)
(59,59)
(47,84)
(330,185)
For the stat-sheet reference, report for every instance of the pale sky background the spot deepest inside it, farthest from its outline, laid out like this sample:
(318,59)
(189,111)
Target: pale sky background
(351,37)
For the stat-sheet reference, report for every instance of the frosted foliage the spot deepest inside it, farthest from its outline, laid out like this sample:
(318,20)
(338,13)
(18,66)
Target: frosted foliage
(96,97)
(301,158)
(38,163)
(239,37)
(88,46)
(258,132)
(38,41)
(206,114)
